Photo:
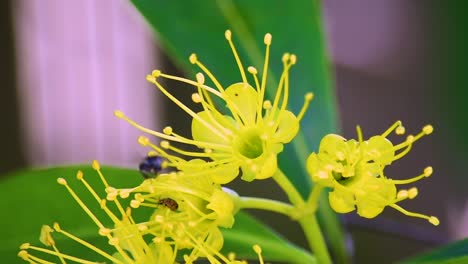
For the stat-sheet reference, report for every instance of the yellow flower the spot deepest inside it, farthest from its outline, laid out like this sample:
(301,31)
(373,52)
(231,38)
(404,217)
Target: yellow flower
(125,235)
(189,209)
(249,137)
(355,172)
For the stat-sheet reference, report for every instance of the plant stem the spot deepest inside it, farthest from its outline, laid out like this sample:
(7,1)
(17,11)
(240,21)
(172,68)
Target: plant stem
(266,204)
(315,238)
(312,201)
(293,195)
(308,222)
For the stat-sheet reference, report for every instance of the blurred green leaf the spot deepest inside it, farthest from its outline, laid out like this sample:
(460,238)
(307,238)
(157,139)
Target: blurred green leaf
(455,253)
(31,198)
(184,27)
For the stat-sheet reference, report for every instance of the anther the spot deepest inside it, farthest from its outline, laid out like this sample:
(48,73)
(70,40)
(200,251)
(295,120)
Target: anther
(124,194)
(400,130)
(25,246)
(228,34)
(196,98)
(167,130)
(56,227)
(193,58)
(434,220)
(309,96)
(46,237)
(267,104)
(119,114)
(156,73)
(200,78)
(428,129)
(428,171)
(62,181)
(24,255)
(150,78)
(135,203)
(257,249)
(252,70)
(293,59)
(112,196)
(104,231)
(267,39)
(410,139)
(165,144)
(114,241)
(142,140)
(285,57)
(402,194)
(95,165)
(79,175)
(412,193)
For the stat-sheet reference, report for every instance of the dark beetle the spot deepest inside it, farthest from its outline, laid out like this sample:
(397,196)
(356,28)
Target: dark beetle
(169,203)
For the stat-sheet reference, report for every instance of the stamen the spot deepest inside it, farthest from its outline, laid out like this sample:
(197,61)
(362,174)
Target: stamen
(196,98)
(427,172)
(400,130)
(412,193)
(188,81)
(189,111)
(83,206)
(97,168)
(194,60)
(258,250)
(59,255)
(307,98)
(359,134)
(167,130)
(88,245)
(391,128)
(166,145)
(176,138)
(261,97)
(428,129)
(228,34)
(432,219)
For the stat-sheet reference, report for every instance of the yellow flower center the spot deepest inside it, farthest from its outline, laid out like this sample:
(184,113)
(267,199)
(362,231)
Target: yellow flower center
(249,144)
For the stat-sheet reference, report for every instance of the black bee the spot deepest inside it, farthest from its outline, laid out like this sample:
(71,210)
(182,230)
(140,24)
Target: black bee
(169,203)
(150,166)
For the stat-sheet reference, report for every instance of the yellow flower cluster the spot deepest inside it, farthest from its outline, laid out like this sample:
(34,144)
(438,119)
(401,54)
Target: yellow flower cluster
(249,137)
(355,172)
(189,205)
(188,211)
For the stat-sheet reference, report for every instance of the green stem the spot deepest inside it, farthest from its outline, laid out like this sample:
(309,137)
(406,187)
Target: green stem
(312,201)
(265,204)
(308,222)
(293,195)
(315,238)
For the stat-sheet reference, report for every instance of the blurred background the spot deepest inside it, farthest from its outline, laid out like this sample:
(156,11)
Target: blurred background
(66,66)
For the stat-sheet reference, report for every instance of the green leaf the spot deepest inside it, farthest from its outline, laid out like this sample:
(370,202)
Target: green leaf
(31,198)
(248,231)
(455,253)
(184,27)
